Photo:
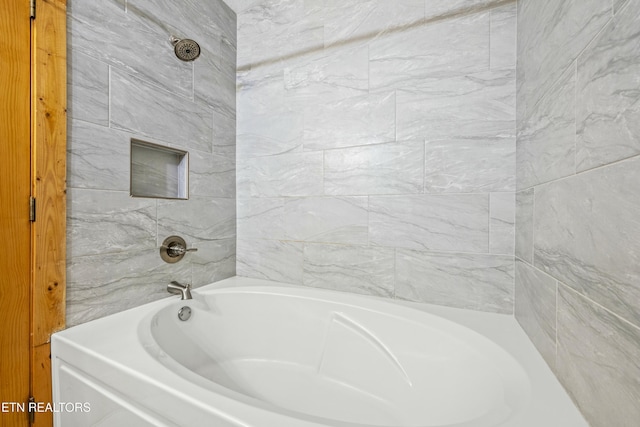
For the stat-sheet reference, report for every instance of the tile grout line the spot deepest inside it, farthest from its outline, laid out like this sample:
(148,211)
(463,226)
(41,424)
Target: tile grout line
(600,306)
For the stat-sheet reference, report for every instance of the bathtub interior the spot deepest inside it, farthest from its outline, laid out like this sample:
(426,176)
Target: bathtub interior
(329,361)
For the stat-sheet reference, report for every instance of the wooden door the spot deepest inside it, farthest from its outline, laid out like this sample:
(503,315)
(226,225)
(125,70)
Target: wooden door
(33,166)
(15,190)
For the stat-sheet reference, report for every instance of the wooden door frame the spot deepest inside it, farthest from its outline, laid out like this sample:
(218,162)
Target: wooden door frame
(49,164)
(15,153)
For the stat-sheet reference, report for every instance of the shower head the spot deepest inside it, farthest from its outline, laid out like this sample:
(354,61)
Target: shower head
(185,49)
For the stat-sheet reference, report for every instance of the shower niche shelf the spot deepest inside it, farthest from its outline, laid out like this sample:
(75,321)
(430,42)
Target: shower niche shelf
(158,171)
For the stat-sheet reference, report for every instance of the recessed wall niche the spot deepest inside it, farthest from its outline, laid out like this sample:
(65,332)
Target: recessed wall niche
(158,171)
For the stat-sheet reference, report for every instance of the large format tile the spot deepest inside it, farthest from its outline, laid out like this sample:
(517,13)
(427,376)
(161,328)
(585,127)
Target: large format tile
(213,84)
(359,269)
(598,361)
(279,30)
(207,22)
(608,100)
(294,174)
(215,260)
(139,107)
(502,219)
(524,225)
(470,165)
(97,157)
(362,20)
(104,31)
(330,74)
(88,88)
(101,222)
(359,120)
(587,235)
(551,34)
(197,219)
(470,106)
(310,219)
(224,135)
(270,260)
(430,222)
(546,139)
(267,123)
(94,291)
(478,282)
(503,36)
(535,308)
(394,168)
(449,8)
(211,175)
(449,47)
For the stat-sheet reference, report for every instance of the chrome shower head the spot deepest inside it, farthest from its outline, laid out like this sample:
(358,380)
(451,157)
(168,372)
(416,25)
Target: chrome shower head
(185,49)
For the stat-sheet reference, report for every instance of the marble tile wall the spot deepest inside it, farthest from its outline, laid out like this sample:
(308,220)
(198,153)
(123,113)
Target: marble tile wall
(577,224)
(376,147)
(125,82)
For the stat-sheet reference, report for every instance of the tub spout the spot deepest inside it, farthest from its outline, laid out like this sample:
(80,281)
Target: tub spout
(177,288)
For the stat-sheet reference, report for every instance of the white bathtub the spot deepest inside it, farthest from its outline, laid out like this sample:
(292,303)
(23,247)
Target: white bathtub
(262,354)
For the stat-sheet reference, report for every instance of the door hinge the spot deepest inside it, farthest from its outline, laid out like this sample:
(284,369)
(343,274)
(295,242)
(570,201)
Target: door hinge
(33,9)
(31,410)
(32,209)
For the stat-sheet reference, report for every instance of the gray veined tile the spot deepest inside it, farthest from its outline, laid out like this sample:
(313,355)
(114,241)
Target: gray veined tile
(546,139)
(502,223)
(618,5)
(608,100)
(97,157)
(470,165)
(431,222)
(214,261)
(88,87)
(107,221)
(358,269)
(352,121)
(206,22)
(260,218)
(267,123)
(551,34)
(598,361)
(524,225)
(279,30)
(139,107)
(197,219)
(327,219)
(93,291)
(503,36)
(451,47)
(270,260)
(330,74)
(224,135)
(587,235)
(535,308)
(211,175)
(311,219)
(473,106)
(212,85)
(449,8)
(295,174)
(478,282)
(354,21)
(393,168)
(102,30)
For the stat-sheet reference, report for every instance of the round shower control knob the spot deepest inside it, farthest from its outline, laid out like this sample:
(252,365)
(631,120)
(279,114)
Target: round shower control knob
(174,248)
